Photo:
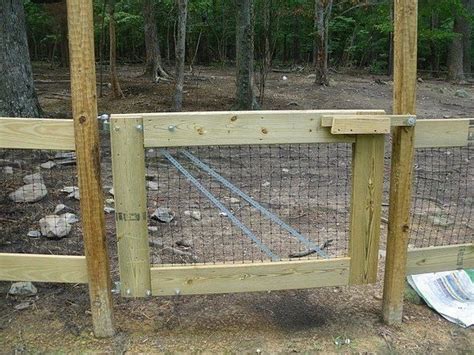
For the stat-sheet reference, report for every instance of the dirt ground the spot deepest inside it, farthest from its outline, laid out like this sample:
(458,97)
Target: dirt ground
(321,320)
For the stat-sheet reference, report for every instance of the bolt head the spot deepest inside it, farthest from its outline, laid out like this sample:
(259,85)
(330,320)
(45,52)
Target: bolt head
(411,121)
(171,128)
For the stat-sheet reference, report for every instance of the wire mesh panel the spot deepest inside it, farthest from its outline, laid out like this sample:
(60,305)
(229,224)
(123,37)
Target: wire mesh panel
(443,197)
(39,202)
(248,203)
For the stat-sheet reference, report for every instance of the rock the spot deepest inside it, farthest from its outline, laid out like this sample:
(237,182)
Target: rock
(292,103)
(284,170)
(24,288)
(111,191)
(53,226)
(442,90)
(21,306)
(48,165)
(266,183)
(29,193)
(440,220)
(110,201)
(108,209)
(70,218)
(196,215)
(163,214)
(34,234)
(153,228)
(234,200)
(222,214)
(73,191)
(59,208)
(65,155)
(152,185)
(184,243)
(461,93)
(7,170)
(33,178)
(420,80)
(284,78)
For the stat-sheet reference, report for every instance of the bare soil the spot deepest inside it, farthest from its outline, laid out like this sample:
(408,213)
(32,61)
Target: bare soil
(58,318)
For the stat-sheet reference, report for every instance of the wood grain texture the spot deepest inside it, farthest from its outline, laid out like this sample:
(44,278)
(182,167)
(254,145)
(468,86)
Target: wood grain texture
(43,268)
(433,133)
(84,108)
(403,139)
(240,127)
(285,275)
(366,205)
(445,258)
(395,120)
(36,133)
(362,125)
(128,167)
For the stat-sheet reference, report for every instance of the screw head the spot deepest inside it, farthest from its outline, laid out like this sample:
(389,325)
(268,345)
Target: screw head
(171,128)
(128,292)
(177,291)
(139,127)
(148,293)
(411,121)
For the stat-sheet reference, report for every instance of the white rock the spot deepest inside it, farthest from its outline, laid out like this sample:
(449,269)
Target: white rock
(7,170)
(59,208)
(153,228)
(284,78)
(196,215)
(152,185)
(222,214)
(54,226)
(34,234)
(74,195)
(163,214)
(70,218)
(32,178)
(285,170)
(23,289)
(69,189)
(266,183)
(48,165)
(111,191)
(108,209)
(110,201)
(29,193)
(234,200)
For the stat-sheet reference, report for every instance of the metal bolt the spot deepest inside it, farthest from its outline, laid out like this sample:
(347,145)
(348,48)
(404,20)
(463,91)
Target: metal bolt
(148,293)
(411,121)
(139,127)
(128,292)
(177,291)
(171,128)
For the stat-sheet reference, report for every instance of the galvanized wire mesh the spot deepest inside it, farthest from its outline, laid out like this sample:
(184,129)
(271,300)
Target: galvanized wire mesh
(305,186)
(33,183)
(443,197)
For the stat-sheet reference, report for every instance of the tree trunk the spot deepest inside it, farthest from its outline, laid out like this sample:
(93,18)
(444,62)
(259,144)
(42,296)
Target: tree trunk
(245,95)
(267,52)
(456,52)
(17,92)
(153,67)
(322,13)
(180,52)
(466,30)
(116,90)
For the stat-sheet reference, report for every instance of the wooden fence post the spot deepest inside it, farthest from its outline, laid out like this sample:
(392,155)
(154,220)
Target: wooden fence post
(404,96)
(128,166)
(366,206)
(84,108)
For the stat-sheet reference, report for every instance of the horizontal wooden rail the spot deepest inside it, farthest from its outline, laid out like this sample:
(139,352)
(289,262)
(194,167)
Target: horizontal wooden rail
(240,127)
(43,268)
(36,133)
(445,258)
(269,276)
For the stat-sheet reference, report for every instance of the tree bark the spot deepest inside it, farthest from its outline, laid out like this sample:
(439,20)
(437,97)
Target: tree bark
(153,66)
(180,53)
(322,13)
(466,29)
(116,90)
(17,92)
(245,94)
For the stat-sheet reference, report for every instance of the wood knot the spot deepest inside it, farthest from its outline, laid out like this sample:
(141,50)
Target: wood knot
(233,118)
(406,228)
(82,119)
(264,130)
(200,131)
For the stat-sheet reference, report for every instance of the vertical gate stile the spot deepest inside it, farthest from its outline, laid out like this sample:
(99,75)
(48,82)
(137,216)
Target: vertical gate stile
(128,166)
(366,205)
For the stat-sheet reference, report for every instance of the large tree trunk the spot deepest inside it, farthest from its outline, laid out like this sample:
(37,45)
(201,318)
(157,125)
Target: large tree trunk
(116,90)
(245,95)
(267,52)
(180,52)
(153,67)
(17,92)
(322,13)
(465,27)
(455,53)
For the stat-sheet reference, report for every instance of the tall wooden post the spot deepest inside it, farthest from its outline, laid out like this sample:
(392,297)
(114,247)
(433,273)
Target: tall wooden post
(84,108)
(404,96)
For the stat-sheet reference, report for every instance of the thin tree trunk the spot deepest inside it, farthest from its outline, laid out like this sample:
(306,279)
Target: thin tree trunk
(455,54)
(17,92)
(267,52)
(116,90)
(180,52)
(153,67)
(245,95)
(466,29)
(322,11)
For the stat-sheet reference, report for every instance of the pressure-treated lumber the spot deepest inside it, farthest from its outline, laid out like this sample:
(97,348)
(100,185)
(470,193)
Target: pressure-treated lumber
(128,166)
(84,108)
(36,133)
(241,127)
(361,125)
(395,120)
(445,258)
(366,205)
(208,279)
(404,95)
(438,133)
(43,268)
